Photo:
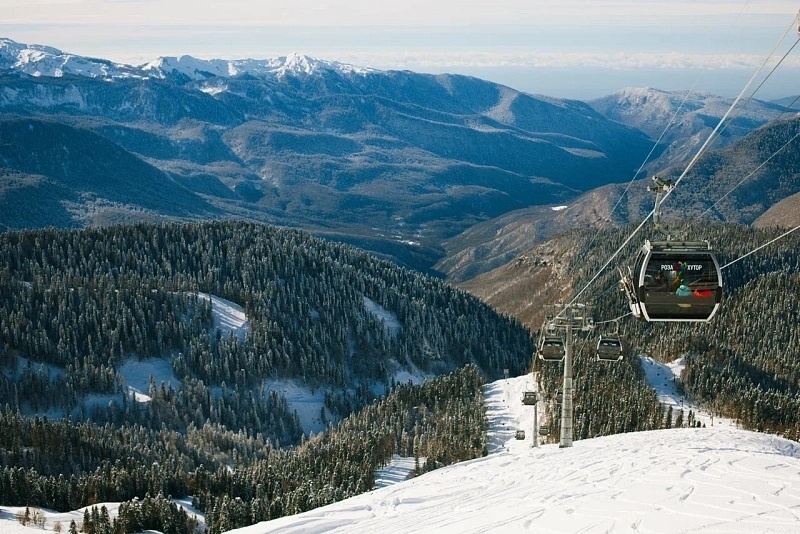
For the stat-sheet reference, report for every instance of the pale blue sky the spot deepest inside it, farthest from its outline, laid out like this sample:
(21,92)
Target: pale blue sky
(570,48)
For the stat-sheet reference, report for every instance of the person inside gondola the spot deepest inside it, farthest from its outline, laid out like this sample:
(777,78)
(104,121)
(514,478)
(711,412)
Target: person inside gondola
(660,282)
(675,280)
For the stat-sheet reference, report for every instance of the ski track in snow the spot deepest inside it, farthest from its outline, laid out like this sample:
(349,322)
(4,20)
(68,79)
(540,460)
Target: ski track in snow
(661,377)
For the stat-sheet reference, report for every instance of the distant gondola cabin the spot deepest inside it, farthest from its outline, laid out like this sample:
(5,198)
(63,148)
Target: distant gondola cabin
(552,349)
(609,348)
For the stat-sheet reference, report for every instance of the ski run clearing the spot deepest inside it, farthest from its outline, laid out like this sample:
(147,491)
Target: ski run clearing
(717,479)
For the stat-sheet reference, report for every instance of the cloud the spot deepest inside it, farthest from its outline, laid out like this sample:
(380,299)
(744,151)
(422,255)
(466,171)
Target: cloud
(368,12)
(571,60)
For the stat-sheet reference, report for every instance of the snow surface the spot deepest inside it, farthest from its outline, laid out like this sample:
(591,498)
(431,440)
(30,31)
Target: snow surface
(10,525)
(396,471)
(307,403)
(137,375)
(716,479)
(390,322)
(662,378)
(228,316)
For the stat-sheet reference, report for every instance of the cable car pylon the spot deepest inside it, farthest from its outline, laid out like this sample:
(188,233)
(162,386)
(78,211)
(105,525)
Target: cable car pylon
(569,318)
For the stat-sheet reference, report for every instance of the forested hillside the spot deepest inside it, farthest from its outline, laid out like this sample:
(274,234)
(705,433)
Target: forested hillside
(61,465)
(76,307)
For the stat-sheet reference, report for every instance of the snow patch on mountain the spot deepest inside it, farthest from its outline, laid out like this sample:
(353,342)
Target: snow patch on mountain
(651,110)
(663,378)
(501,111)
(390,322)
(309,404)
(137,375)
(229,317)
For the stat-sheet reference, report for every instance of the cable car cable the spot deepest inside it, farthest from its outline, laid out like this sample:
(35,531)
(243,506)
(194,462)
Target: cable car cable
(759,248)
(669,124)
(749,98)
(714,136)
(614,320)
(646,159)
(767,125)
(748,176)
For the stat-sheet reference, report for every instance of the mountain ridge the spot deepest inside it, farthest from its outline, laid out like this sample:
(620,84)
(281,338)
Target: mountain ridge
(393,161)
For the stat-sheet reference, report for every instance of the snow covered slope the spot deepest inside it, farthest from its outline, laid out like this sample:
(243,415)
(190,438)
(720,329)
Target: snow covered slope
(9,524)
(38,60)
(698,480)
(716,479)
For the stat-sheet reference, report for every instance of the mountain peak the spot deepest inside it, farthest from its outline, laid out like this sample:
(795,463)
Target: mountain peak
(297,63)
(201,69)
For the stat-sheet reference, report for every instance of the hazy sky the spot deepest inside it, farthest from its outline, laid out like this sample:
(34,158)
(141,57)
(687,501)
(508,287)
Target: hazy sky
(569,48)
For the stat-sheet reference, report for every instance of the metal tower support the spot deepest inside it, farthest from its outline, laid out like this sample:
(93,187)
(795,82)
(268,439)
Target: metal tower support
(535,425)
(661,188)
(568,318)
(566,404)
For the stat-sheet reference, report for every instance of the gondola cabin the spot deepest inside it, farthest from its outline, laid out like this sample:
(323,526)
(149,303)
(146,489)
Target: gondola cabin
(609,348)
(544,430)
(529,398)
(520,434)
(559,397)
(676,281)
(551,349)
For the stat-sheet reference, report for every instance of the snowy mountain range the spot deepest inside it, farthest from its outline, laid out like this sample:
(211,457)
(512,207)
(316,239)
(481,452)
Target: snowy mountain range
(39,60)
